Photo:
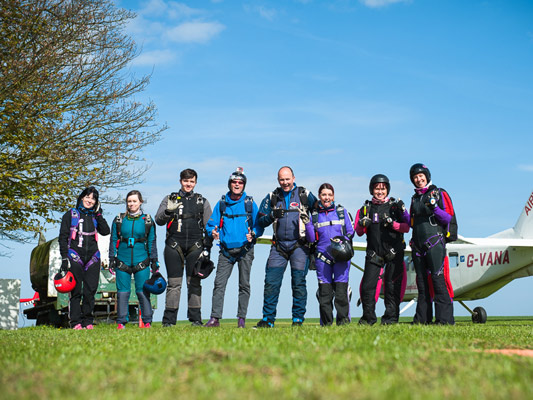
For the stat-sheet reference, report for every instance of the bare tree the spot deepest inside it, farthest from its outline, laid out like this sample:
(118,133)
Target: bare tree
(68,112)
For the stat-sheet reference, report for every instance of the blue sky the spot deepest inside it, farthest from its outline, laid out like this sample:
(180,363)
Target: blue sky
(340,90)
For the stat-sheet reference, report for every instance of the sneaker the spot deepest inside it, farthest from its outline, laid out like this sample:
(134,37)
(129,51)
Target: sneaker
(212,323)
(78,327)
(90,326)
(240,323)
(121,326)
(265,323)
(148,325)
(297,322)
(197,323)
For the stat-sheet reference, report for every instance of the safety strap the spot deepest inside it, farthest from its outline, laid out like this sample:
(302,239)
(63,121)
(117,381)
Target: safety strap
(74,256)
(248,207)
(148,222)
(136,268)
(77,228)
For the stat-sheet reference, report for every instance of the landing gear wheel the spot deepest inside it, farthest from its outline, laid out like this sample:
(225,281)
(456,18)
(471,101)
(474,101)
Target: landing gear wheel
(479,316)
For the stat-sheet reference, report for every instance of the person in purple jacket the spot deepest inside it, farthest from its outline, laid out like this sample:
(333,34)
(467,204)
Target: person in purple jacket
(328,222)
(384,220)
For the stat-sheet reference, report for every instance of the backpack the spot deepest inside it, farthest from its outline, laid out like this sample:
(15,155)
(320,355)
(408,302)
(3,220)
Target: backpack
(445,202)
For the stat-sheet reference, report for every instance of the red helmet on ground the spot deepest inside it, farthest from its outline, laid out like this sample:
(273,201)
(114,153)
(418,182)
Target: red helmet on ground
(64,281)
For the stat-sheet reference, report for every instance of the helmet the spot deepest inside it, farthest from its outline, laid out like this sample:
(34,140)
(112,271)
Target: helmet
(417,169)
(237,175)
(64,281)
(204,266)
(156,284)
(379,178)
(340,249)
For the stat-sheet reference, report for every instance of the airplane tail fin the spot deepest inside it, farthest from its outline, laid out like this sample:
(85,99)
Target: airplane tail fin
(523,228)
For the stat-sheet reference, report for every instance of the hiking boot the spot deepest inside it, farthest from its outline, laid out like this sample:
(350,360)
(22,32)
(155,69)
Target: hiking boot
(90,326)
(297,322)
(265,323)
(240,323)
(212,323)
(121,326)
(78,327)
(197,323)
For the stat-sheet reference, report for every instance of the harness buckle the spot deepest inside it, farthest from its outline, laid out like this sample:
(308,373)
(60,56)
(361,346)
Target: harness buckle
(131,242)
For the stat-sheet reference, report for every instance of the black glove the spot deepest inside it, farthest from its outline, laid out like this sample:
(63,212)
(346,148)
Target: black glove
(98,209)
(364,222)
(112,263)
(433,199)
(154,265)
(401,205)
(278,213)
(65,264)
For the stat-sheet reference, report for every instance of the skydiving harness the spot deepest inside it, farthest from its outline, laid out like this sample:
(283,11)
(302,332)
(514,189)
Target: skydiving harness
(180,216)
(341,221)
(430,242)
(238,253)
(386,220)
(148,223)
(304,206)
(76,227)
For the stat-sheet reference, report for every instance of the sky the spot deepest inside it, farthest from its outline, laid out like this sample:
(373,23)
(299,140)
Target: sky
(340,91)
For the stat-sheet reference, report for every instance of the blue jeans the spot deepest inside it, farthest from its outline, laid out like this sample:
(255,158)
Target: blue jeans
(275,269)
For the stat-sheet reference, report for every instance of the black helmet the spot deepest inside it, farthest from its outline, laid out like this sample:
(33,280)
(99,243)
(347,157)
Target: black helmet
(417,169)
(379,178)
(156,284)
(340,249)
(237,175)
(204,266)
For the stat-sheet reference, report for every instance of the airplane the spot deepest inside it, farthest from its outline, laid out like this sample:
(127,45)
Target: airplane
(478,266)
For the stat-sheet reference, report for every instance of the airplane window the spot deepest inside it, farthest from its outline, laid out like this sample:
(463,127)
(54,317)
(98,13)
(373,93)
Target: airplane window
(453,258)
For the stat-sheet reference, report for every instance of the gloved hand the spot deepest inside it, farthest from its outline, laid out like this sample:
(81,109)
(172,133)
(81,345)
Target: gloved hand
(154,265)
(433,199)
(364,222)
(304,217)
(98,209)
(172,204)
(65,264)
(401,205)
(277,213)
(112,263)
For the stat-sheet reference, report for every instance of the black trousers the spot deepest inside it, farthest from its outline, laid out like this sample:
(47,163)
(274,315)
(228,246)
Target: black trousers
(175,271)
(81,306)
(429,269)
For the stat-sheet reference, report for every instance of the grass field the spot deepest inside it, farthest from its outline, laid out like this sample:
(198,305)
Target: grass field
(309,362)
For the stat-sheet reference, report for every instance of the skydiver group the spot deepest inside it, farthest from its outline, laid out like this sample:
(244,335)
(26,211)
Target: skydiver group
(309,232)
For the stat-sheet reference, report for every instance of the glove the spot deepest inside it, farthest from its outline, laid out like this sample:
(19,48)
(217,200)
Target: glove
(172,203)
(433,199)
(98,209)
(154,265)
(277,213)
(387,220)
(304,217)
(65,265)
(364,222)
(112,263)
(401,205)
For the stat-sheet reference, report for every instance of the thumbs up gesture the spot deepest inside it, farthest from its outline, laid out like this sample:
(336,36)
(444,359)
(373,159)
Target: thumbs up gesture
(215,233)
(250,235)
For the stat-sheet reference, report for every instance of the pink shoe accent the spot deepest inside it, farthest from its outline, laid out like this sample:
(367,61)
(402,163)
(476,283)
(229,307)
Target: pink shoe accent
(120,326)
(148,325)
(78,327)
(90,326)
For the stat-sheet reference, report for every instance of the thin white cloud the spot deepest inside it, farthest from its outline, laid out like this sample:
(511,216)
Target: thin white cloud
(264,12)
(525,167)
(194,32)
(169,9)
(381,3)
(156,57)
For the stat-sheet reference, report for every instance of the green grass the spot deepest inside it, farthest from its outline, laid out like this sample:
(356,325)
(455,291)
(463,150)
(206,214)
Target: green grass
(310,362)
